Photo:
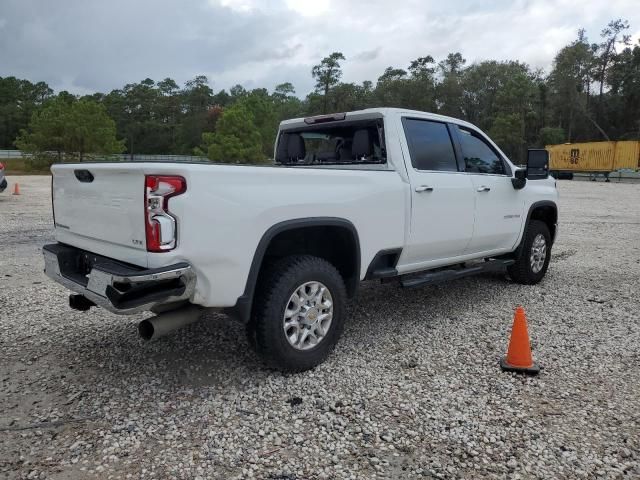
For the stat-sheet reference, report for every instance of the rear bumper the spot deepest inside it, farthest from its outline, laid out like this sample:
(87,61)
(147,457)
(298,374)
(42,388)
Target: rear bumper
(119,287)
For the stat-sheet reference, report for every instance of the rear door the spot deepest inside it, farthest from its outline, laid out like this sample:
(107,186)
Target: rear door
(499,206)
(442,197)
(100,208)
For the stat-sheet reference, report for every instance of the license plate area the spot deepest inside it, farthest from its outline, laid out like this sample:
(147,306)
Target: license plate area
(76,264)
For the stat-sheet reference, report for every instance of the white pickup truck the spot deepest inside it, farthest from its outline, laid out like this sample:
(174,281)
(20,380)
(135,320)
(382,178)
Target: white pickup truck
(382,193)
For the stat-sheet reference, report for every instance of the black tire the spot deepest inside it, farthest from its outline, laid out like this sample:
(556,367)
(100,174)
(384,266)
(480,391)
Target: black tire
(522,271)
(279,281)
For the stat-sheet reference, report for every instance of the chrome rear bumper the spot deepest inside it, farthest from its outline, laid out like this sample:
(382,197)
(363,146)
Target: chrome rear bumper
(118,287)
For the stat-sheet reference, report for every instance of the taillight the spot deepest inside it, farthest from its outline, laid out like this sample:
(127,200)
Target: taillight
(1,166)
(53,206)
(160,225)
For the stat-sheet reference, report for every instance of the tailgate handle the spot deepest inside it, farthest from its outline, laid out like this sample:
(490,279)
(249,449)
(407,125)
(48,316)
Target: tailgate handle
(84,176)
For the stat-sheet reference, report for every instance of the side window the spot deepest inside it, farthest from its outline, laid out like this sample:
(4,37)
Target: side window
(430,145)
(478,156)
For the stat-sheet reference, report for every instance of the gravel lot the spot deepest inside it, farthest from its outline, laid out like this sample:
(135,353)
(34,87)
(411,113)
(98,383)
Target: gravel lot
(412,391)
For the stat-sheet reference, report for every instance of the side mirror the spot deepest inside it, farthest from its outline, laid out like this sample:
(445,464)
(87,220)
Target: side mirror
(537,164)
(519,179)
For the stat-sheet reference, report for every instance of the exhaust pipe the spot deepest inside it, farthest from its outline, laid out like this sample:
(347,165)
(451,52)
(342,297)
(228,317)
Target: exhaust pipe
(160,325)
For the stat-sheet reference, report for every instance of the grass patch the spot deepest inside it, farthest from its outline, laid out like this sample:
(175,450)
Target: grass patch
(19,166)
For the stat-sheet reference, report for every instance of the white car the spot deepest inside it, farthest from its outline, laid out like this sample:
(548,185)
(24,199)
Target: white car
(373,194)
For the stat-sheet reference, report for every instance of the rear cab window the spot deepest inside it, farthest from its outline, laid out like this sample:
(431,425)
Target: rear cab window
(334,143)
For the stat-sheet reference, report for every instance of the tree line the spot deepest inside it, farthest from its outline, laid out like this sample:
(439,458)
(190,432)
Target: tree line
(591,93)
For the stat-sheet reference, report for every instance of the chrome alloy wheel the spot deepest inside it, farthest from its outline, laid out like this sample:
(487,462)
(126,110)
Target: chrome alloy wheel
(308,315)
(538,253)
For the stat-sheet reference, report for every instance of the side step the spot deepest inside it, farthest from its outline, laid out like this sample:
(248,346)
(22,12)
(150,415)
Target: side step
(384,273)
(432,277)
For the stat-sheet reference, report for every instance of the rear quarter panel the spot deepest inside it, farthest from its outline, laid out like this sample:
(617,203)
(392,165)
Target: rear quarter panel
(227,209)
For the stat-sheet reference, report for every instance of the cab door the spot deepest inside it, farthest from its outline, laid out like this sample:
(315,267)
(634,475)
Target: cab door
(498,206)
(442,197)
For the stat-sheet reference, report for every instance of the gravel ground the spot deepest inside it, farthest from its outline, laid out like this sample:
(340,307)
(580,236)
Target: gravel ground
(412,391)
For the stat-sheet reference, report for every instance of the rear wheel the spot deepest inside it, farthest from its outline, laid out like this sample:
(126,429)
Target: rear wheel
(299,311)
(533,261)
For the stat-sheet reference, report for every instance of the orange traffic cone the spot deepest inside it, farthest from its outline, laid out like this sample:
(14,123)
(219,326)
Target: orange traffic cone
(16,189)
(518,357)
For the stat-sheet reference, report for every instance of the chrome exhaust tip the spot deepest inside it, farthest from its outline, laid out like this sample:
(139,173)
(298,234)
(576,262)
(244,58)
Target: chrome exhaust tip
(164,323)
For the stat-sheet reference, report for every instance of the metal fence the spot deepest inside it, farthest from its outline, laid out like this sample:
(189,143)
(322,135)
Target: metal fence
(11,154)
(150,158)
(118,157)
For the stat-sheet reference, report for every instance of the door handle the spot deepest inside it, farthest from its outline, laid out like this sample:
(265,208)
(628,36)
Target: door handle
(483,188)
(424,188)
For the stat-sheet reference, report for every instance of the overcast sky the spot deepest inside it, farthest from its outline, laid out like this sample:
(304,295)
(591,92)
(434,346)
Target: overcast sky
(85,46)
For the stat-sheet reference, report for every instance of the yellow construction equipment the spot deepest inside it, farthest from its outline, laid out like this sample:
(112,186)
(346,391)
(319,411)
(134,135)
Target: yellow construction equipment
(594,157)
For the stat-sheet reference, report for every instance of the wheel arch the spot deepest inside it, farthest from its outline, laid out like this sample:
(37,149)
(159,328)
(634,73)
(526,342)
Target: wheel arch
(285,237)
(545,211)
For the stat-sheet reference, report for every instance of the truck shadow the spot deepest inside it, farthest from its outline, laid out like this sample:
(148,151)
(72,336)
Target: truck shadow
(378,305)
(214,352)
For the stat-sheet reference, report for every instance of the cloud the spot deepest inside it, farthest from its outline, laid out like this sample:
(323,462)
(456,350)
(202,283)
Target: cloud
(367,55)
(282,53)
(98,46)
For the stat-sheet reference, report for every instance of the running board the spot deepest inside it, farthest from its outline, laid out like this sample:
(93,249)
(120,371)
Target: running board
(384,273)
(433,277)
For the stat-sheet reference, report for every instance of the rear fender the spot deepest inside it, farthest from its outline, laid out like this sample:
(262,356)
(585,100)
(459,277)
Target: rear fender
(242,309)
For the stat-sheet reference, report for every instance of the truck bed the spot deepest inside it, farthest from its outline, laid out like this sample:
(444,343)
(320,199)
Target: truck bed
(223,214)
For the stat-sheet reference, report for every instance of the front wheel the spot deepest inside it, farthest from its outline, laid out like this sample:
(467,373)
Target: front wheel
(533,261)
(299,312)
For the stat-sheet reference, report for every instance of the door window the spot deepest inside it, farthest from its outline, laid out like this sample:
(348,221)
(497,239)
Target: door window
(478,156)
(430,145)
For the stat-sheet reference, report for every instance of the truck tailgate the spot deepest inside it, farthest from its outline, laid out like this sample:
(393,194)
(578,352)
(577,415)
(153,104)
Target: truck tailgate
(100,208)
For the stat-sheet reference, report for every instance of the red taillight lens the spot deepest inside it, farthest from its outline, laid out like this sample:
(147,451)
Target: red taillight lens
(1,166)
(160,225)
(53,206)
